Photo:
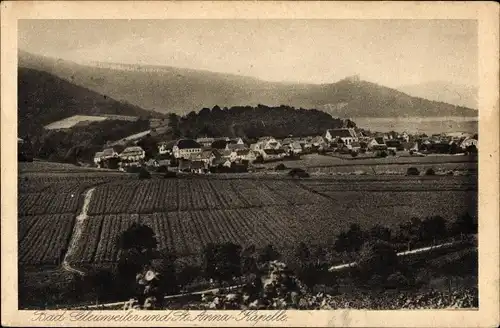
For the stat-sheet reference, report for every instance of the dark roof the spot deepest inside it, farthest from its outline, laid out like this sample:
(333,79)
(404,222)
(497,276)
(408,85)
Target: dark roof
(219,144)
(342,133)
(187,144)
(242,152)
(274,151)
(380,140)
(234,146)
(393,143)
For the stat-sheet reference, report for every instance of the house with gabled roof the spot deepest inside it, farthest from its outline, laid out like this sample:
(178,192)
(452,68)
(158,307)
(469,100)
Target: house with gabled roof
(205,142)
(377,143)
(166,147)
(272,154)
(111,152)
(98,157)
(183,148)
(347,135)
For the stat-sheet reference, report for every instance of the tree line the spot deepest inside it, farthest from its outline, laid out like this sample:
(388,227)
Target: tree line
(254,122)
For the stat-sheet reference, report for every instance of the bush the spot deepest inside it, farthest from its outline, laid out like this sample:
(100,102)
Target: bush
(377,257)
(144,174)
(392,152)
(362,150)
(412,171)
(280,167)
(430,171)
(411,152)
(298,172)
(169,174)
(354,153)
(162,169)
(382,153)
(397,280)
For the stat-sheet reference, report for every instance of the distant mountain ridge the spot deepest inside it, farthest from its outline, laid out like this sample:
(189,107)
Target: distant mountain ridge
(452,93)
(168,89)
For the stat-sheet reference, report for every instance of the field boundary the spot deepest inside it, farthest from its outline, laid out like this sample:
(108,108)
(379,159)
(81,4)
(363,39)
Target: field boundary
(77,233)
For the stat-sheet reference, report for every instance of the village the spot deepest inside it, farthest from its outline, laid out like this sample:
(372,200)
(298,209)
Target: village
(231,155)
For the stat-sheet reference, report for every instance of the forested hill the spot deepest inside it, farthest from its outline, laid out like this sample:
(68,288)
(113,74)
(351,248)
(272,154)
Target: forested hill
(253,122)
(44,98)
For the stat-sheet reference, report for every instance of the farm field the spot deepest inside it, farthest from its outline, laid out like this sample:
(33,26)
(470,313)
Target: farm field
(186,214)
(43,239)
(315,163)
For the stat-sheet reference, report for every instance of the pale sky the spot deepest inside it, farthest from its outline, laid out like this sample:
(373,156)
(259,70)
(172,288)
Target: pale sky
(389,52)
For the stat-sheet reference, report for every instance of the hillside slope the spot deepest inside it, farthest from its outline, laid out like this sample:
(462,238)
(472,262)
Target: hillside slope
(460,95)
(169,89)
(44,98)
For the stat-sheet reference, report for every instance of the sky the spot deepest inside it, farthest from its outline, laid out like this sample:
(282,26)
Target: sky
(388,52)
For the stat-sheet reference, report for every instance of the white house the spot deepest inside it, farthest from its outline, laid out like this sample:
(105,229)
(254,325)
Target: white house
(205,142)
(468,142)
(318,141)
(267,143)
(132,154)
(166,147)
(273,154)
(98,157)
(294,147)
(184,148)
(377,143)
(246,155)
(109,153)
(347,135)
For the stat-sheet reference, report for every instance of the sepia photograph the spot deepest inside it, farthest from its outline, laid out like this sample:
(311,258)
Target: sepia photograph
(247,164)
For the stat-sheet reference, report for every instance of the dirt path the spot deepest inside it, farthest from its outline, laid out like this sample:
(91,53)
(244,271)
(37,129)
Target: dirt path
(400,254)
(77,233)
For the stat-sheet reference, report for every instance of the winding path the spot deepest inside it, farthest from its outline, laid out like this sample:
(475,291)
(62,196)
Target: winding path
(77,233)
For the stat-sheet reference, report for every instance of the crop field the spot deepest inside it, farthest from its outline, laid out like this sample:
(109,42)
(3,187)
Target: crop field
(53,195)
(187,214)
(324,164)
(42,167)
(43,238)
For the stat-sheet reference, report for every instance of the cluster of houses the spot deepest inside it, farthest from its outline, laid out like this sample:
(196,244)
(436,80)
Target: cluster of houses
(199,155)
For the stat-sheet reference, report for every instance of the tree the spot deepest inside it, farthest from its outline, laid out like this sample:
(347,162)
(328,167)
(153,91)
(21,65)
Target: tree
(268,254)
(464,224)
(165,266)
(249,260)
(144,173)
(302,253)
(102,283)
(355,237)
(430,171)
(377,257)
(412,171)
(433,228)
(222,261)
(139,237)
(379,232)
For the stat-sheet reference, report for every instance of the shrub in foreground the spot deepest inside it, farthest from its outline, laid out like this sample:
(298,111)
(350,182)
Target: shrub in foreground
(144,174)
(280,167)
(412,171)
(430,171)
